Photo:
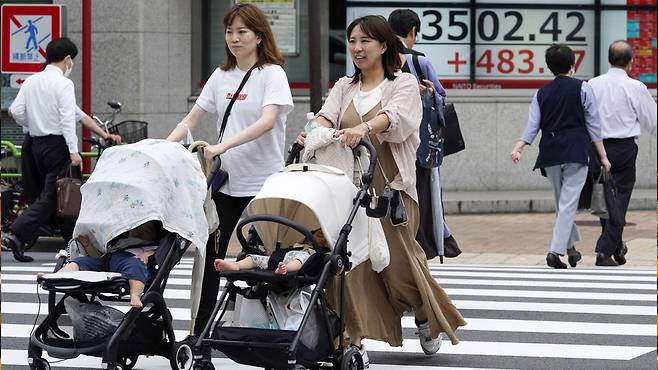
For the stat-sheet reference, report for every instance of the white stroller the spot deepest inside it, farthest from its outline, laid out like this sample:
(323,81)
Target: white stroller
(300,198)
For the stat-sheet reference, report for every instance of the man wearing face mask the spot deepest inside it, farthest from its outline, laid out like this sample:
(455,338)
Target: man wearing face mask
(45,106)
(566,113)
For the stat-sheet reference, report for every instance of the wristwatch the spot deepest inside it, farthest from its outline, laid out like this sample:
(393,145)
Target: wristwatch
(369,126)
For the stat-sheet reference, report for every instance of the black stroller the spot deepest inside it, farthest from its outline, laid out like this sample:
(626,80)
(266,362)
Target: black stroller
(143,331)
(132,185)
(280,213)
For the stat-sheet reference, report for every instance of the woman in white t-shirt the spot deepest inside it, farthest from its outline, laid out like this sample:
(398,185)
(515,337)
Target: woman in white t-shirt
(252,145)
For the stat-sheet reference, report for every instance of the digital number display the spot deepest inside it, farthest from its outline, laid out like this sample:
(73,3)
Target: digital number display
(502,43)
(509,44)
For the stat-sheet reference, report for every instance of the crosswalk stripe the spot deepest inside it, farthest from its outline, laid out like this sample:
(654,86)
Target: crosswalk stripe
(495,325)
(543,276)
(539,326)
(19,357)
(545,269)
(555,307)
(183,314)
(443,281)
(551,294)
(185,293)
(539,350)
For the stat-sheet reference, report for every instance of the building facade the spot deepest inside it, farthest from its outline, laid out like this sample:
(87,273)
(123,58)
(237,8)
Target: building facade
(154,55)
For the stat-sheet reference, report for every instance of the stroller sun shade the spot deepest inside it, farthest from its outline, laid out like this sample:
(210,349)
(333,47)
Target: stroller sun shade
(136,183)
(314,196)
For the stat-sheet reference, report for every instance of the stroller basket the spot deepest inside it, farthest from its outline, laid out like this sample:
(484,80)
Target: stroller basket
(130,131)
(269,348)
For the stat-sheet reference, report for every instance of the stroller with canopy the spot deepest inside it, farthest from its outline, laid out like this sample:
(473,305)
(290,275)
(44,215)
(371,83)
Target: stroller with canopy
(300,198)
(149,181)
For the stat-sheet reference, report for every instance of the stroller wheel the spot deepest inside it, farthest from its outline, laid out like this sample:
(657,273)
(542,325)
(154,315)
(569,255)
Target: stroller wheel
(204,365)
(128,362)
(40,364)
(182,356)
(351,360)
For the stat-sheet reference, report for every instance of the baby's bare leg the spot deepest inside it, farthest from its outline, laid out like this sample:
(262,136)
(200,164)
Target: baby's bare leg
(71,266)
(291,266)
(244,264)
(136,290)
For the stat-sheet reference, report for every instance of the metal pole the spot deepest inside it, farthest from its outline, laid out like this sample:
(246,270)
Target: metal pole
(86,75)
(315,59)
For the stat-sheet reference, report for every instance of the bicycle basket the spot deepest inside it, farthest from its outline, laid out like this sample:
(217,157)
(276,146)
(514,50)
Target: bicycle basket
(130,131)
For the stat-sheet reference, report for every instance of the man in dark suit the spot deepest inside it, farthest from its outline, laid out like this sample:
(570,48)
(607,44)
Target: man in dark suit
(406,25)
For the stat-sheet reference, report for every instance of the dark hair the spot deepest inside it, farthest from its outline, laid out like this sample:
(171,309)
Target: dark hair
(560,58)
(376,27)
(403,20)
(58,49)
(620,53)
(255,20)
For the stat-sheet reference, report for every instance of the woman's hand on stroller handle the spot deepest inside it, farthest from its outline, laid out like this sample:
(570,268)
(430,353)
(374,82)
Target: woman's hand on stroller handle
(301,138)
(211,152)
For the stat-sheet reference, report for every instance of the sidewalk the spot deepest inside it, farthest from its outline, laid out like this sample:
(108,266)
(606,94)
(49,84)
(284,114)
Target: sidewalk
(523,239)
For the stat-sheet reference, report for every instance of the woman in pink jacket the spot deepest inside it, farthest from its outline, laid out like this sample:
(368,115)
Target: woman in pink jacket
(382,104)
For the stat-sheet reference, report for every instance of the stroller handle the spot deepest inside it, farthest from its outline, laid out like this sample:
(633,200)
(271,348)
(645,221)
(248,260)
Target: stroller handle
(293,153)
(296,149)
(279,220)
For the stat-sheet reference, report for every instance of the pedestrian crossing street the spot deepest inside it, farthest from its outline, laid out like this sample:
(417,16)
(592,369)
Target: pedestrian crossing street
(518,317)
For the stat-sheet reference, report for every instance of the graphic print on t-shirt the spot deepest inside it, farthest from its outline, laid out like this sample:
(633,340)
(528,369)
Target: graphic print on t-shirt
(229,96)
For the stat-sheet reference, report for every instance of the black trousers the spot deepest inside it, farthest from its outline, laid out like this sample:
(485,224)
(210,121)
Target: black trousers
(43,160)
(622,154)
(229,210)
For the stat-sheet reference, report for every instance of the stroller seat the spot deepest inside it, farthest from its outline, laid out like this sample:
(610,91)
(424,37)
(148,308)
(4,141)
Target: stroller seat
(309,274)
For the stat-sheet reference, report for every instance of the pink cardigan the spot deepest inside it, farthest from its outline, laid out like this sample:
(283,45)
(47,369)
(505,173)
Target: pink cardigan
(401,103)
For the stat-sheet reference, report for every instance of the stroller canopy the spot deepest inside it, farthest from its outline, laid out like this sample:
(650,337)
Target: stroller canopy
(136,183)
(314,196)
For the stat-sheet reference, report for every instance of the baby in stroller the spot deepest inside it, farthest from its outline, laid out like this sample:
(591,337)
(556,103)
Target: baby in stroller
(281,261)
(130,259)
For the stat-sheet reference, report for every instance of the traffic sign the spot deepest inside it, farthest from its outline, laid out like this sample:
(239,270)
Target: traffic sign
(26,30)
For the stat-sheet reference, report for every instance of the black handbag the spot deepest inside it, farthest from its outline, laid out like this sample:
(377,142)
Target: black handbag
(218,176)
(612,203)
(453,141)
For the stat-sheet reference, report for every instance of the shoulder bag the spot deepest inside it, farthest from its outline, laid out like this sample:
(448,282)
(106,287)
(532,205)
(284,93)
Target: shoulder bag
(218,176)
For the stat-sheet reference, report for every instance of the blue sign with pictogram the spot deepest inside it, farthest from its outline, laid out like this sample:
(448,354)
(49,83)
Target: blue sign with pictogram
(26,30)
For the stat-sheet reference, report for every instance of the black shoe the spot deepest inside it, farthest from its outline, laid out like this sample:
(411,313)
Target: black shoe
(603,260)
(621,257)
(553,260)
(574,256)
(12,242)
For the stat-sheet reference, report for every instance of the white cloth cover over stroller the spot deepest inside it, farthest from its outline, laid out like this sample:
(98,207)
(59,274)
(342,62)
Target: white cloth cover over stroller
(135,183)
(149,180)
(317,196)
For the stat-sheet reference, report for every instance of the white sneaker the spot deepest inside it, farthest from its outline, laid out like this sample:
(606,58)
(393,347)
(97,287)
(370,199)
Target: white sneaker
(364,356)
(430,345)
